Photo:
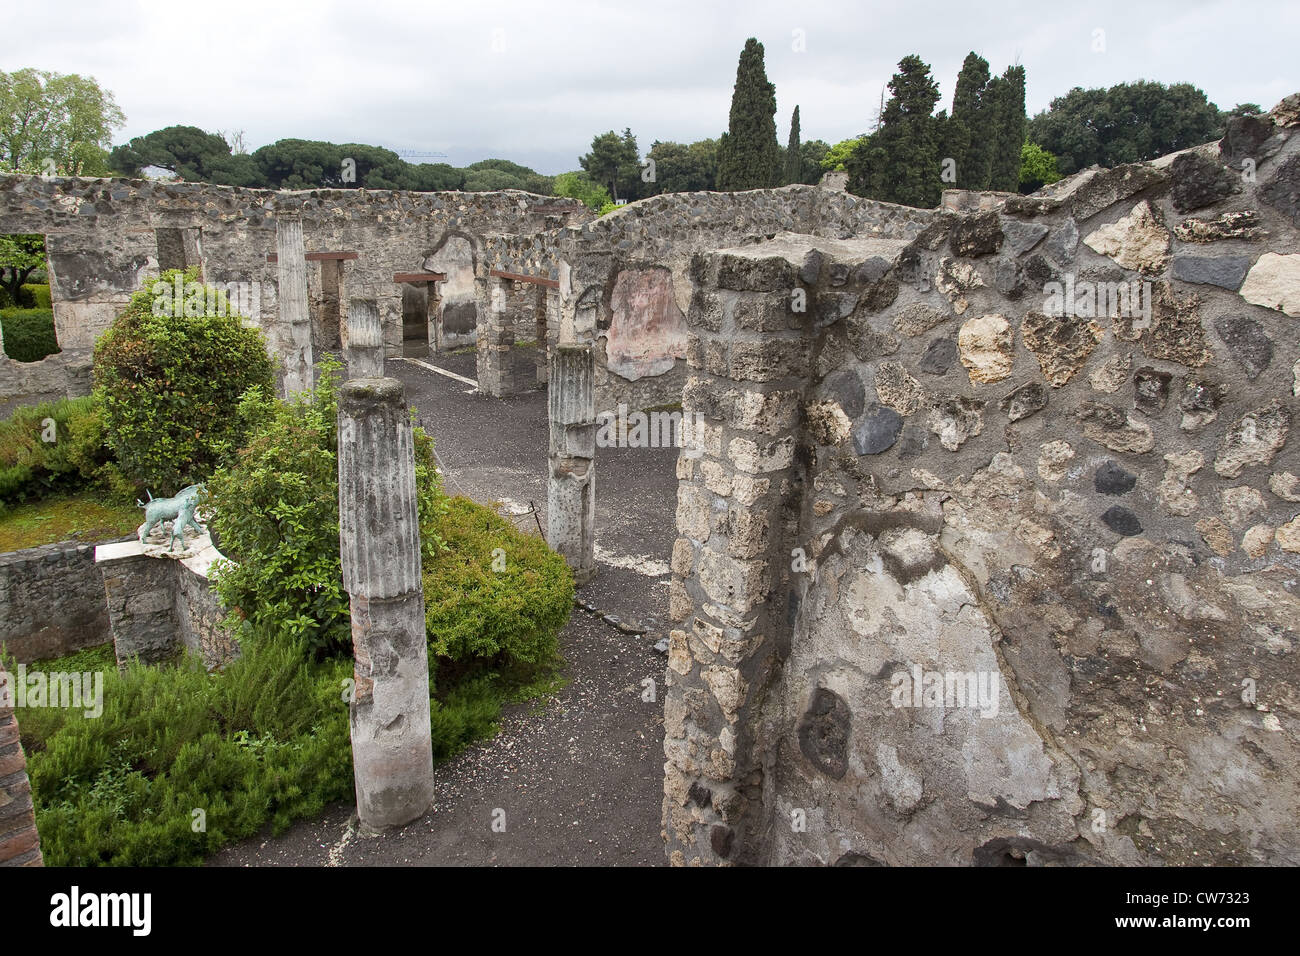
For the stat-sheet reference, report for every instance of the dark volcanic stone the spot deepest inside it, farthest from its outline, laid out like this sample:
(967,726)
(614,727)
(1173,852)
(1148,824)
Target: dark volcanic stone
(1024,401)
(812,267)
(938,357)
(1200,395)
(824,733)
(913,443)
(1111,479)
(847,389)
(1199,182)
(1020,237)
(1152,388)
(877,431)
(1122,521)
(1248,137)
(1282,192)
(720,839)
(1224,271)
(978,235)
(1247,341)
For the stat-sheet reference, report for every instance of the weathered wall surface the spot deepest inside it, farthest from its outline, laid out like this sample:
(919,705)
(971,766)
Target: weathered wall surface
(106,235)
(20,844)
(972,572)
(51,601)
(614,293)
(162,605)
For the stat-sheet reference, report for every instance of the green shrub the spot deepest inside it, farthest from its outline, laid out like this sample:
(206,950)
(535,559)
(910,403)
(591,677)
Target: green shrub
(28,333)
(169,384)
(475,612)
(275,514)
(36,295)
(32,467)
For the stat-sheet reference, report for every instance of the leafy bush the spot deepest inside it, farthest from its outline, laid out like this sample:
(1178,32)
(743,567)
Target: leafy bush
(32,467)
(28,333)
(170,383)
(473,611)
(275,512)
(276,515)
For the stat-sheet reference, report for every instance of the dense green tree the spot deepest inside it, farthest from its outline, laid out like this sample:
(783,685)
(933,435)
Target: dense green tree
(301,164)
(900,161)
(186,151)
(793,171)
(20,256)
(614,163)
(63,119)
(684,167)
(811,155)
(580,186)
(749,156)
(837,157)
(1246,109)
(1128,123)
(1037,168)
(968,135)
(1008,105)
(528,179)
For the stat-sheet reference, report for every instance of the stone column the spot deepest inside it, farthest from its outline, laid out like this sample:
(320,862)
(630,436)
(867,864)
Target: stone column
(365,348)
(571,485)
(495,337)
(379,541)
(294,338)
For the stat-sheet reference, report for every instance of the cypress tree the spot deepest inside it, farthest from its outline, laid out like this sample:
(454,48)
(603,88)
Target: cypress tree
(793,158)
(969,137)
(900,161)
(749,156)
(1004,165)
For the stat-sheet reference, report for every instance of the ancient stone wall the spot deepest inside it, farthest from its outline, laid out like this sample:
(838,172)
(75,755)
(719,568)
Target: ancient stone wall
(974,570)
(625,285)
(105,236)
(52,601)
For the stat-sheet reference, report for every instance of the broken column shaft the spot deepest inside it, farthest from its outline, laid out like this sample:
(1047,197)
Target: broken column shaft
(379,541)
(570,488)
(365,348)
(293,338)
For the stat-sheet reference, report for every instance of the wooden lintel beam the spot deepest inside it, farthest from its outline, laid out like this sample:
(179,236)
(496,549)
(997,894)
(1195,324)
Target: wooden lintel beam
(517,277)
(419,277)
(317,256)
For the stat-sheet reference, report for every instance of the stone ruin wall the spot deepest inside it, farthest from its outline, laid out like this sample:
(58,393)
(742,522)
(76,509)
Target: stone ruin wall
(1096,516)
(627,288)
(105,236)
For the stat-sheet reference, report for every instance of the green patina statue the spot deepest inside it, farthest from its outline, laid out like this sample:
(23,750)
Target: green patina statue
(179,509)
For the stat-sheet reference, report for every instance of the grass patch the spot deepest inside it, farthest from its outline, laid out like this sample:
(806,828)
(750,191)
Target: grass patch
(101,658)
(83,517)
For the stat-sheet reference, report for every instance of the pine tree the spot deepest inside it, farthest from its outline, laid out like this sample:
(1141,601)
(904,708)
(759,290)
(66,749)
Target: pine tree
(1010,125)
(900,161)
(749,156)
(968,139)
(793,157)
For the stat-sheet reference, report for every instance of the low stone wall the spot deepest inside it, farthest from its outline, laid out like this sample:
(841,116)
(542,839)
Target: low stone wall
(20,844)
(51,601)
(161,605)
(974,571)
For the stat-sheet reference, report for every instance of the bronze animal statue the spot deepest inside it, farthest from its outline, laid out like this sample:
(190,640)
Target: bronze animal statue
(179,509)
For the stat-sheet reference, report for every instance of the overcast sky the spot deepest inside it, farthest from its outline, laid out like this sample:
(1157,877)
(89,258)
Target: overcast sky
(532,82)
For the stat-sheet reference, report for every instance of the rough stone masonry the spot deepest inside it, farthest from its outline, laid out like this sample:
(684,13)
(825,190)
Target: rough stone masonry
(993,553)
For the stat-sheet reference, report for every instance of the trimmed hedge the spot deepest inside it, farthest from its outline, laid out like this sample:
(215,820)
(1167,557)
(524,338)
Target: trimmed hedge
(169,384)
(28,333)
(36,295)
